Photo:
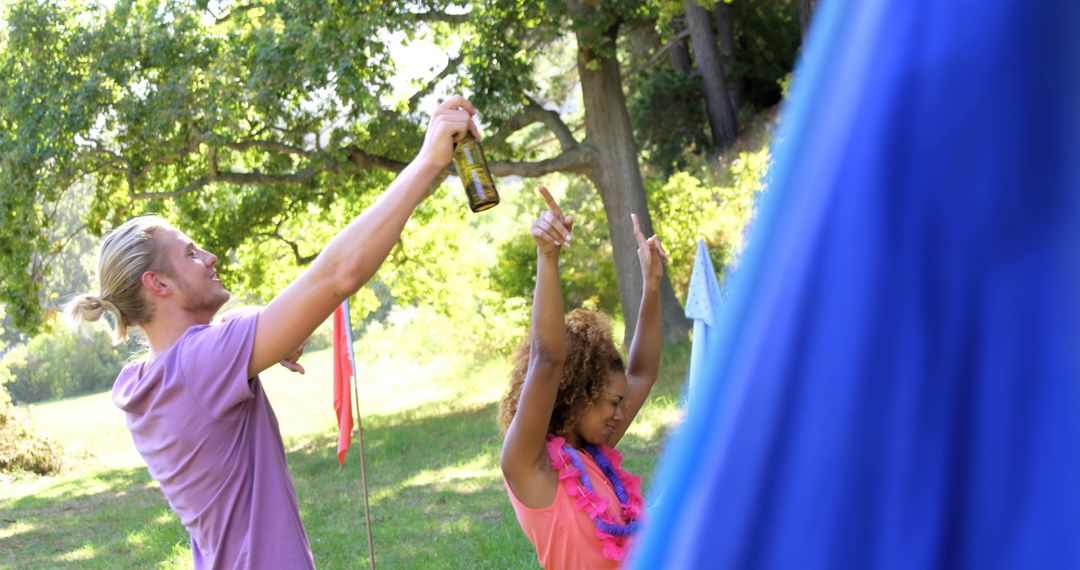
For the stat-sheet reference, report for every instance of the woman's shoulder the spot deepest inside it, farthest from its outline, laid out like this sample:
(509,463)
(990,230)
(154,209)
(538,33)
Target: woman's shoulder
(534,486)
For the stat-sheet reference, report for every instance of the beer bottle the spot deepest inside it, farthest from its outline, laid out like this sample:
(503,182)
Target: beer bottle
(473,170)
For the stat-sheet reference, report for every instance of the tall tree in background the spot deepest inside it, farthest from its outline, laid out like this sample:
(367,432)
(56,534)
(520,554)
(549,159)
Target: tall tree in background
(725,36)
(509,35)
(756,42)
(718,102)
(806,10)
(679,54)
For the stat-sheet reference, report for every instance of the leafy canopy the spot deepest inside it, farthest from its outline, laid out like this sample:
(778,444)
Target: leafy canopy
(233,120)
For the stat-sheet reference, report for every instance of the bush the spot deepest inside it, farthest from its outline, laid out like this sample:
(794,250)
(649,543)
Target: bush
(20,448)
(767,38)
(689,207)
(668,112)
(586,267)
(60,364)
(439,271)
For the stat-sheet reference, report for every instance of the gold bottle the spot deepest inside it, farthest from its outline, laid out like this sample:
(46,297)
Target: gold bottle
(473,170)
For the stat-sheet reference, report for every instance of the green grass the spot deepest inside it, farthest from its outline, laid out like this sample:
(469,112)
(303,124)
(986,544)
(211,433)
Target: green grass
(431,442)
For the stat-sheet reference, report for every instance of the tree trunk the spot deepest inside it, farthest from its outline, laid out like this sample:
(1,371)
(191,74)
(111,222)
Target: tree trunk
(615,173)
(725,30)
(806,10)
(717,101)
(643,40)
(679,53)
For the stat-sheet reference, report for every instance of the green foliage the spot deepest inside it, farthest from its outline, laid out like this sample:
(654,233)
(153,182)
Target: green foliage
(689,207)
(499,64)
(586,268)
(22,449)
(260,129)
(8,333)
(666,105)
(510,37)
(252,127)
(440,265)
(767,39)
(60,364)
(668,113)
(238,122)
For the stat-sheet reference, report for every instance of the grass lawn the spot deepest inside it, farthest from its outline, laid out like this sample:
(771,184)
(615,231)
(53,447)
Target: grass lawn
(437,498)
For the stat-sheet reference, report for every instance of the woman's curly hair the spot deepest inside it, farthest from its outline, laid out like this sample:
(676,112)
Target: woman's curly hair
(591,355)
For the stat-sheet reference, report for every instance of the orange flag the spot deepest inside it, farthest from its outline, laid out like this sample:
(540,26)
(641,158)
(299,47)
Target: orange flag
(343,370)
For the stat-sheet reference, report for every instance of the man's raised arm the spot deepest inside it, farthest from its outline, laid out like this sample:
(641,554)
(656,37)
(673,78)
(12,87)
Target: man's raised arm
(353,256)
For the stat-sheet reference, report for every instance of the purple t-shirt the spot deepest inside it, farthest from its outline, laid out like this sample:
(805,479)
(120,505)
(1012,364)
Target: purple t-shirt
(210,438)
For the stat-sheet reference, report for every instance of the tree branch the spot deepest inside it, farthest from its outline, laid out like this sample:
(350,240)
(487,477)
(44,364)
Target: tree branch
(365,160)
(212,163)
(575,160)
(554,123)
(253,178)
(659,53)
(357,157)
(515,124)
(536,113)
(301,260)
(544,141)
(451,66)
(272,146)
(168,158)
(55,251)
(225,17)
(439,16)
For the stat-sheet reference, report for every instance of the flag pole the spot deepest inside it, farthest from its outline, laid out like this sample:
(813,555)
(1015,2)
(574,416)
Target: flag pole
(359,437)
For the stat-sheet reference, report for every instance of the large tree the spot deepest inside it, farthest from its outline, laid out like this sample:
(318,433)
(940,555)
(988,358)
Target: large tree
(510,36)
(244,120)
(718,102)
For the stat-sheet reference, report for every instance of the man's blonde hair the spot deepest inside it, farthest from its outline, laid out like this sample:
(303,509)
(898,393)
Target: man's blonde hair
(126,253)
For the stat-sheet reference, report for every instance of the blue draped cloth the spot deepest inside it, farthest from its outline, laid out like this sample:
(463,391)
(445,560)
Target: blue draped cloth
(894,378)
(703,299)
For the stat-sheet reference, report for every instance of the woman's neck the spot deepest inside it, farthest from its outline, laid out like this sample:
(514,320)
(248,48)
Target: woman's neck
(573,440)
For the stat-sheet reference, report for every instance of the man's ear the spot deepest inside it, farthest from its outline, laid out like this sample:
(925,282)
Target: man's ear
(155,285)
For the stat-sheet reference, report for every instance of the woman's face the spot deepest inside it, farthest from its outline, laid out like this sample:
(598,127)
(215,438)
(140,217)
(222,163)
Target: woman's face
(603,417)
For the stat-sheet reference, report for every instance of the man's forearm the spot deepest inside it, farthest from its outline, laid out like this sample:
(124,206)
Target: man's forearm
(353,256)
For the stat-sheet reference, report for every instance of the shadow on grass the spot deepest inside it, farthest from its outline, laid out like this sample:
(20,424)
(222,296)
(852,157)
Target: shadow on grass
(436,501)
(436,495)
(110,519)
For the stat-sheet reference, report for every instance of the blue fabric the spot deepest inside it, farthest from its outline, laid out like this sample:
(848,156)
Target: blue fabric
(703,306)
(895,374)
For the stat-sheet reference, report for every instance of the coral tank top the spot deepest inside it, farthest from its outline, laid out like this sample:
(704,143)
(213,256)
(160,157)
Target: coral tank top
(563,535)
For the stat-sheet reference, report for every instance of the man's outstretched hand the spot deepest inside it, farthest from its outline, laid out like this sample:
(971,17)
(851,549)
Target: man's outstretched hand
(449,123)
(292,362)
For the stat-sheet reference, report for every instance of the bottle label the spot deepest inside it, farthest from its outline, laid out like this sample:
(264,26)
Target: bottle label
(478,185)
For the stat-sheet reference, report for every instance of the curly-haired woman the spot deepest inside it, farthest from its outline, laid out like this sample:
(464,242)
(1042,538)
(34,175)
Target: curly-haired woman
(570,401)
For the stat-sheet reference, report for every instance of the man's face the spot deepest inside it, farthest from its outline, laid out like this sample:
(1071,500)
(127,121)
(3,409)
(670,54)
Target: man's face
(192,270)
